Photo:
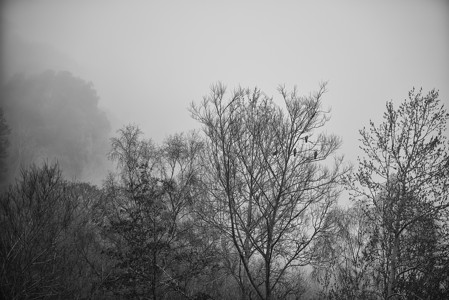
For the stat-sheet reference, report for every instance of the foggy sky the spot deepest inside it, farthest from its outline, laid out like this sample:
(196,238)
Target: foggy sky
(149,59)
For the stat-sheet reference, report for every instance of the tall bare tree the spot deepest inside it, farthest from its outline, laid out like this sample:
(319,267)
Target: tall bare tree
(403,181)
(266,188)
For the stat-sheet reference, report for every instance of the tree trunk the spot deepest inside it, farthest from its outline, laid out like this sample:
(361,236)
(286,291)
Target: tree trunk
(392,275)
(153,288)
(268,265)
(267,282)
(247,251)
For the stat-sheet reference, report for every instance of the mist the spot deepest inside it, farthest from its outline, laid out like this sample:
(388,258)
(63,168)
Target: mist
(149,61)
(53,116)
(53,111)
(261,182)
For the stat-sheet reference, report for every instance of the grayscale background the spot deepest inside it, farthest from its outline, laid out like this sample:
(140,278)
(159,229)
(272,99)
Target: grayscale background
(148,60)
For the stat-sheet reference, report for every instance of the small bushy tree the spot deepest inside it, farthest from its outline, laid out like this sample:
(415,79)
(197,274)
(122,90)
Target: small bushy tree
(44,231)
(149,225)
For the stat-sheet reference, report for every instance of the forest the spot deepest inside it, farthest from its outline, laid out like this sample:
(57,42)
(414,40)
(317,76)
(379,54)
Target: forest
(246,207)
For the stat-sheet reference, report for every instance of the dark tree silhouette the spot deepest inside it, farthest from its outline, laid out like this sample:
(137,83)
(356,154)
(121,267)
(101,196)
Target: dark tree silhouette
(45,237)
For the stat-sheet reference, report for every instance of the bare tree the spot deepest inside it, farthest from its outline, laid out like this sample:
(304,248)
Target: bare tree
(266,188)
(149,221)
(44,229)
(345,272)
(403,181)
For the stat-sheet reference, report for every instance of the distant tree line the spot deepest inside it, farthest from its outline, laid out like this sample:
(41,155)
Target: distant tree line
(245,209)
(54,116)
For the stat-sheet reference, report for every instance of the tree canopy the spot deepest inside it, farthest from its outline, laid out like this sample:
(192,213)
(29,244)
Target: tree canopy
(245,209)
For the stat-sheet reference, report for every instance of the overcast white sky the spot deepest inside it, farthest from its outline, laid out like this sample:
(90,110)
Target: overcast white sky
(149,59)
